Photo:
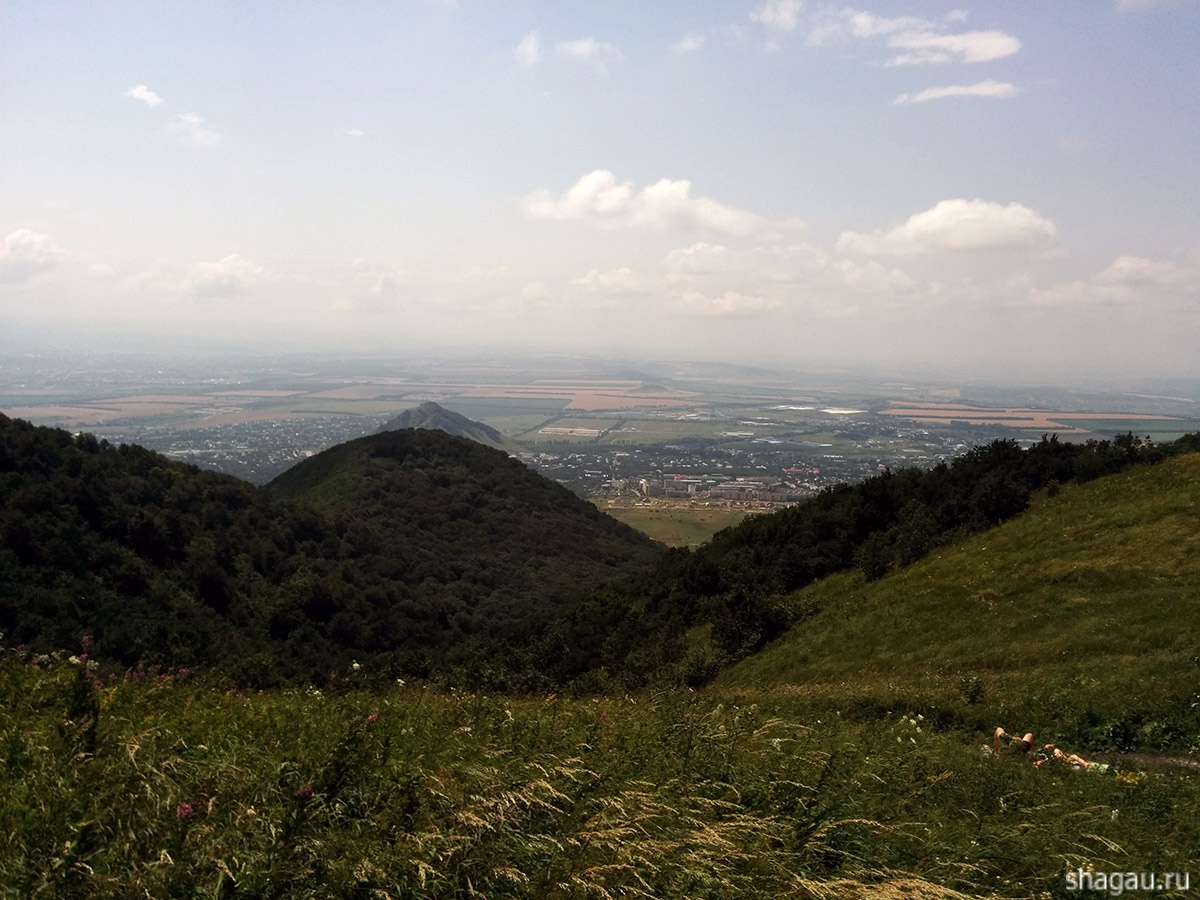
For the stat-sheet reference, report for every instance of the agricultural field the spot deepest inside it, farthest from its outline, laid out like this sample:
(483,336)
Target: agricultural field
(677,525)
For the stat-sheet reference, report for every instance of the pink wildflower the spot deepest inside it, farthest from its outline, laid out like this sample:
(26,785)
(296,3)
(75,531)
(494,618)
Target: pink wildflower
(304,792)
(184,811)
(373,717)
(603,717)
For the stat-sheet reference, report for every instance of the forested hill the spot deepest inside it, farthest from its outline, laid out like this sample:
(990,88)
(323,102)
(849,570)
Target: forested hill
(416,546)
(507,537)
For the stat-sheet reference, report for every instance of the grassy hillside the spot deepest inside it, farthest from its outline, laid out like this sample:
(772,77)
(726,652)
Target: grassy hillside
(162,785)
(1077,620)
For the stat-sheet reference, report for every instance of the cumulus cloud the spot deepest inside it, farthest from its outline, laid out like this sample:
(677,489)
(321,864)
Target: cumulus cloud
(730,303)
(957,225)
(26,253)
(782,268)
(989,88)
(597,54)
(622,281)
(227,277)
(143,93)
(667,203)
(970,47)
(1130,281)
(921,41)
(778,15)
(194,130)
(689,44)
(529,51)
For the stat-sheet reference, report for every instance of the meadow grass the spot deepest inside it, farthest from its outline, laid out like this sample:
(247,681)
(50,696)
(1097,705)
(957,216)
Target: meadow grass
(177,786)
(1076,621)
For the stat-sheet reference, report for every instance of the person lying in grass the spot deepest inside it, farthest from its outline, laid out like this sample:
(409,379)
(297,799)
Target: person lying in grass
(1020,744)
(1051,753)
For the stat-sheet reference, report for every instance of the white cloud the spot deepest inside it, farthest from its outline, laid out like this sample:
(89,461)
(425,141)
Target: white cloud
(989,88)
(195,131)
(968,47)
(665,204)
(922,41)
(730,303)
(787,268)
(1130,281)
(957,225)
(143,93)
(354,132)
(598,54)
(689,44)
(227,277)
(26,253)
(778,15)
(529,51)
(622,281)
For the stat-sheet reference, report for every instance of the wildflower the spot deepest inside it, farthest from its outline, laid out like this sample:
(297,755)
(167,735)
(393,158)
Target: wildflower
(354,666)
(399,682)
(303,793)
(184,672)
(687,717)
(97,686)
(184,811)
(372,718)
(603,717)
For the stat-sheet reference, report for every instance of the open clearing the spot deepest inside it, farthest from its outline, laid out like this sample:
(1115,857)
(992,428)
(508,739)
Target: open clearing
(678,525)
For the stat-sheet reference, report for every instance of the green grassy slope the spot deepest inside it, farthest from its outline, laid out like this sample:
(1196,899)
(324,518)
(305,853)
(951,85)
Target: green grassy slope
(1079,618)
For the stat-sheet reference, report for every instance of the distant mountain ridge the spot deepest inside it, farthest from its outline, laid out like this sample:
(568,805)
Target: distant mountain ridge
(432,417)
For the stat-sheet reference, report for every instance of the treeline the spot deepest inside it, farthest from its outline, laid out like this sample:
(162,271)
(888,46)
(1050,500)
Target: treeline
(418,553)
(413,548)
(700,611)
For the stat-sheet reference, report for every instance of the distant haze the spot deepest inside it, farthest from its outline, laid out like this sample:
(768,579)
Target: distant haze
(1008,188)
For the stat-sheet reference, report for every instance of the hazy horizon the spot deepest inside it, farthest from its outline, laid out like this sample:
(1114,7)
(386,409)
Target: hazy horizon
(952,187)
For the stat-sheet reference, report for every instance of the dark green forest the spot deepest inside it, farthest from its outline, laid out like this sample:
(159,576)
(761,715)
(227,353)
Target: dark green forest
(418,553)
(415,545)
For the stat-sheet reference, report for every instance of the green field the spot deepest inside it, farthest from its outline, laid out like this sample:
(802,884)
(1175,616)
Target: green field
(677,526)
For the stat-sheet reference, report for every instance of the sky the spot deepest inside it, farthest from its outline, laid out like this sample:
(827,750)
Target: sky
(1001,188)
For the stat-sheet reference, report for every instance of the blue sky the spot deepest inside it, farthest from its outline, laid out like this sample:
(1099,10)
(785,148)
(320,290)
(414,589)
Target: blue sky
(1001,187)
